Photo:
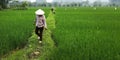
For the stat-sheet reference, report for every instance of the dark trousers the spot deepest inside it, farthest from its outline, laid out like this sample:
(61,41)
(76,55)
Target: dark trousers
(39,32)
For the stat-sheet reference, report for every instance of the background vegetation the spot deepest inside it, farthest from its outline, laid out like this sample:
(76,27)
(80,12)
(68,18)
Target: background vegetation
(87,34)
(16,27)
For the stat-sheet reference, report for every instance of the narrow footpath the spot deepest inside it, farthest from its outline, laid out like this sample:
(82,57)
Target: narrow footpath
(33,50)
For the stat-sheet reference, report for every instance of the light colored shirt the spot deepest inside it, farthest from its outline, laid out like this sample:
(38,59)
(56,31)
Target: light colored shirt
(41,21)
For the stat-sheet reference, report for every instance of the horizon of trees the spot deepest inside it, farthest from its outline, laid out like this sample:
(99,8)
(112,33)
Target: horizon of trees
(3,4)
(15,3)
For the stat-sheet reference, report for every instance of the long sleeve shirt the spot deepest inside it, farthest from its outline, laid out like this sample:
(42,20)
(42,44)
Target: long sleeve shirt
(41,21)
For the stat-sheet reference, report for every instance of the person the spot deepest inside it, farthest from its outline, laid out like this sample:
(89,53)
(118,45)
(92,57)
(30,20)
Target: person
(53,10)
(40,24)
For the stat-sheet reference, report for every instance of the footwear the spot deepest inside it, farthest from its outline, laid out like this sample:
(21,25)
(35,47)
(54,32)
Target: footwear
(40,42)
(38,38)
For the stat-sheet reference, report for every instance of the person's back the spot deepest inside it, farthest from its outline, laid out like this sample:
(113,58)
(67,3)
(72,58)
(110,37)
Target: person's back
(40,24)
(40,20)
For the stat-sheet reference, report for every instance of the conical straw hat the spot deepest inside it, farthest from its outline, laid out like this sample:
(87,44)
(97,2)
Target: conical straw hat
(39,12)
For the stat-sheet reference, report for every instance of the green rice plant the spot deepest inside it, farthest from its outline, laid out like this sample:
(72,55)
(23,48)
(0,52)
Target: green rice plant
(16,26)
(87,34)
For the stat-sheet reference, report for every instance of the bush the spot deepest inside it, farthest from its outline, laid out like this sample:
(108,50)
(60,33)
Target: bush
(19,5)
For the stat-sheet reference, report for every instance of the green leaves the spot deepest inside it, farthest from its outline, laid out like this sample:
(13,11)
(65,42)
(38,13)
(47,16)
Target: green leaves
(85,34)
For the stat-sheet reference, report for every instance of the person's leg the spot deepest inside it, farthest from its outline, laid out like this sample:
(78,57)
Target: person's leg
(41,33)
(37,31)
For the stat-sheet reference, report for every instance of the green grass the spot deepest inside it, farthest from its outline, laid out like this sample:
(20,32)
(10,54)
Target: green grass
(87,34)
(32,46)
(80,34)
(16,27)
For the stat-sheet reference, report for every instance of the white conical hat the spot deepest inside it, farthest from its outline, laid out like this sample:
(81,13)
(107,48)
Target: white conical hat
(39,12)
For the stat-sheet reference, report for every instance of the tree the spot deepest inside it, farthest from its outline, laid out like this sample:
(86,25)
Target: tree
(0,7)
(97,3)
(24,5)
(3,3)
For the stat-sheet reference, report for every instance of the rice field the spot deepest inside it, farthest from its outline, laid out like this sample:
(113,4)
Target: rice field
(83,33)
(16,26)
(87,34)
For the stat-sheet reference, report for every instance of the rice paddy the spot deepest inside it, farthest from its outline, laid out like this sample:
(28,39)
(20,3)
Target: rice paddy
(81,33)
(16,27)
(87,34)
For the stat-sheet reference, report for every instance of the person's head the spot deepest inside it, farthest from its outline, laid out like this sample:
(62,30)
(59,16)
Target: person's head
(39,15)
(39,12)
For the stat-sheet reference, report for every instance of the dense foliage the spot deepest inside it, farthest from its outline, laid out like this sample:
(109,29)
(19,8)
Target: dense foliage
(87,34)
(16,27)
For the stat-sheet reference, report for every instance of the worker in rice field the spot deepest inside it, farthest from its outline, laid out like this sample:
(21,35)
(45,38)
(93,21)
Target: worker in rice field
(53,10)
(40,24)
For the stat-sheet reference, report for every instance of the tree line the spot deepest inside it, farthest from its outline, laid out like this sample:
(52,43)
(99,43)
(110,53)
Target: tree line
(23,5)
(3,4)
